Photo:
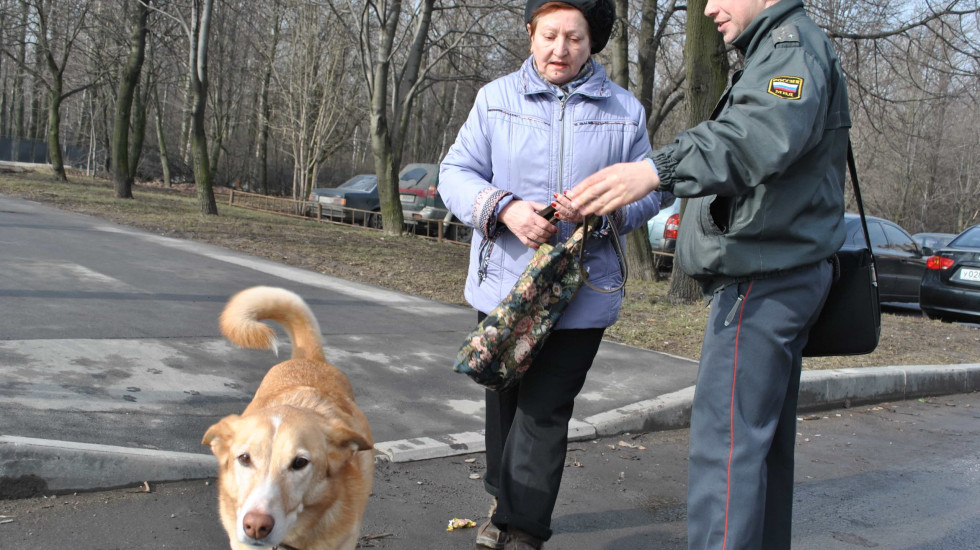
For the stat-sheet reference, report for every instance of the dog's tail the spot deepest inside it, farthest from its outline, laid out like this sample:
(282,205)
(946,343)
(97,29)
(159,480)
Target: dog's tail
(240,321)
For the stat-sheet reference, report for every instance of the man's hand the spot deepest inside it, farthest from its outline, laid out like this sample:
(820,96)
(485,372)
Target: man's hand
(614,187)
(522,220)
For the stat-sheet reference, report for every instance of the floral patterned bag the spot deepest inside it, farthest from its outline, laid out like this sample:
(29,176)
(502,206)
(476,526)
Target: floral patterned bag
(502,346)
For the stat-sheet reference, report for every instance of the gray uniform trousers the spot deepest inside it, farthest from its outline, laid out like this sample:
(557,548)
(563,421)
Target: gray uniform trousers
(743,418)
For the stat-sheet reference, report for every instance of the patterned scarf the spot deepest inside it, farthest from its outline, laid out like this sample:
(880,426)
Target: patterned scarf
(569,87)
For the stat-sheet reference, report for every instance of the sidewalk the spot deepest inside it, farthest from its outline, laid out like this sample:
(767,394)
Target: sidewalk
(893,475)
(54,467)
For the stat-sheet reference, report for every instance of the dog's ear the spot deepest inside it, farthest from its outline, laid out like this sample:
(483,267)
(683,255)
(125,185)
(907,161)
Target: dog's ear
(219,434)
(346,442)
(341,435)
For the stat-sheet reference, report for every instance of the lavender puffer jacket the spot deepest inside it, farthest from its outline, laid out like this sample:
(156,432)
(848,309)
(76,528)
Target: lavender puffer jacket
(521,142)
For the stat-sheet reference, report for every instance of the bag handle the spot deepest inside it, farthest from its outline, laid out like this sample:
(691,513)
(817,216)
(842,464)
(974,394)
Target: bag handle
(852,168)
(617,246)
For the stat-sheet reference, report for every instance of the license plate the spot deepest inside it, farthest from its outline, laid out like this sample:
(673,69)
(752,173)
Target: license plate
(972,275)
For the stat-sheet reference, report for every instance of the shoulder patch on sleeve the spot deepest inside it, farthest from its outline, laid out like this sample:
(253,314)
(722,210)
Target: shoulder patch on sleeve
(786,87)
(787,36)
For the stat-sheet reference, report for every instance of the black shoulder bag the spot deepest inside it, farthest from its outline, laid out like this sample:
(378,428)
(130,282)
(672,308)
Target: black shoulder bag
(850,321)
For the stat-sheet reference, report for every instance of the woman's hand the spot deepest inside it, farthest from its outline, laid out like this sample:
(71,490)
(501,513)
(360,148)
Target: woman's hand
(566,209)
(614,187)
(522,220)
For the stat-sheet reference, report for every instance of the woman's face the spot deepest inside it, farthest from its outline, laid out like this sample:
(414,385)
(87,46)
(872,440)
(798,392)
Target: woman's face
(560,44)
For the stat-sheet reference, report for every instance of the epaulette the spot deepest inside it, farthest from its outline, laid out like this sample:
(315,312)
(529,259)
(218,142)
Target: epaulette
(787,36)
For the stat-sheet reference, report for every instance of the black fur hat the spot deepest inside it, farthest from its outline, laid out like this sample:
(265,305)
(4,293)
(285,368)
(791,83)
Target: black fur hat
(599,14)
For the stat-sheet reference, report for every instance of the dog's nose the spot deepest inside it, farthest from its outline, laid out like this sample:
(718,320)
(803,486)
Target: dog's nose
(258,525)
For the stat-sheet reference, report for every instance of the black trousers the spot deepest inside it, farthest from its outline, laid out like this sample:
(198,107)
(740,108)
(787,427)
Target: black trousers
(527,431)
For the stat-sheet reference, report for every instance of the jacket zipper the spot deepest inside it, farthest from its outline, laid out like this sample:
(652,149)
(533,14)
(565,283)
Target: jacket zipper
(561,147)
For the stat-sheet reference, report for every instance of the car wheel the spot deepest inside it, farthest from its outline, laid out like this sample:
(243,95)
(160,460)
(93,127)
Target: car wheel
(462,233)
(374,220)
(934,315)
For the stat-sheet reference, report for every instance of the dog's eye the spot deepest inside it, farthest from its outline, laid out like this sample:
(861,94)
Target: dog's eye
(299,463)
(245,459)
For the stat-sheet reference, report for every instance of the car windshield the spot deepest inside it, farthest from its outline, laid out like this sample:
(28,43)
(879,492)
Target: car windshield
(360,183)
(968,239)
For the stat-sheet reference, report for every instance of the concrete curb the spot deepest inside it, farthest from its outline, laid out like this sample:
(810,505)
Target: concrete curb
(42,466)
(61,466)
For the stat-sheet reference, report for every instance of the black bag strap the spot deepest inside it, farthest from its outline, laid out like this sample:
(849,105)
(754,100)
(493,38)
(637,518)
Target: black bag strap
(852,168)
(617,246)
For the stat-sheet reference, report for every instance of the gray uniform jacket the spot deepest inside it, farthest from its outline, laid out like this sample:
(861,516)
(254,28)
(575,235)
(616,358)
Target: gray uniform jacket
(767,171)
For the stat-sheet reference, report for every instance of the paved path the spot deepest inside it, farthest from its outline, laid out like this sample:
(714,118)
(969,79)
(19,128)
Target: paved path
(112,339)
(112,367)
(895,476)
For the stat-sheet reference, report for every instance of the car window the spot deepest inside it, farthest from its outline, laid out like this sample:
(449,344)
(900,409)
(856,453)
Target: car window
(877,234)
(969,238)
(362,183)
(411,178)
(899,240)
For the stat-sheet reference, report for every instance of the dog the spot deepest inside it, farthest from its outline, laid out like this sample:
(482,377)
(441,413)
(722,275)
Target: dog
(295,469)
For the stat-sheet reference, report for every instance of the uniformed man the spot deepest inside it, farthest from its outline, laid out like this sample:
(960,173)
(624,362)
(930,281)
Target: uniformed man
(765,176)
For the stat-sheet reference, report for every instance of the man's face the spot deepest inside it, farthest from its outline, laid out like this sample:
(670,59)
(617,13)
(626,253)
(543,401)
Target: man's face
(733,16)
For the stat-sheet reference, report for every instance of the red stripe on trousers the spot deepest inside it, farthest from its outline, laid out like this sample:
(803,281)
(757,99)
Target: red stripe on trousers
(731,420)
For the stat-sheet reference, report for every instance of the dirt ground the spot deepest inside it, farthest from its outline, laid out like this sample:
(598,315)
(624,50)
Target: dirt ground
(435,270)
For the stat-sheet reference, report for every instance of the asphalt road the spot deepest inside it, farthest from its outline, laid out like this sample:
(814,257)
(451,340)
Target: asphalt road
(896,476)
(110,337)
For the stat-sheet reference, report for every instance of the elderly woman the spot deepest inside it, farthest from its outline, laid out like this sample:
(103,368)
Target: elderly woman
(530,136)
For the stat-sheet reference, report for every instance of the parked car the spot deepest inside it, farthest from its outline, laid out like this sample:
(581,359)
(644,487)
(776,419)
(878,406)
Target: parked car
(359,192)
(662,230)
(931,242)
(899,260)
(950,287)
(423,207)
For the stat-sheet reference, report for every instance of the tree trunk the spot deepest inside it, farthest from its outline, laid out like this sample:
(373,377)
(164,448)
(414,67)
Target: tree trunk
(164,156)
(139,127)
(129,78)
(618,46)
(54,131)
(199,149)
(706,67)
(639,256)
(262,145)
(198,75)
(392,217)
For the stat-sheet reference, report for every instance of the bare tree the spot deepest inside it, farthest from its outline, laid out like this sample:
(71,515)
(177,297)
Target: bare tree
(53,26)
(707,75)
(316,93)
(129,78)
(397,63)
(196,24)
(639,255)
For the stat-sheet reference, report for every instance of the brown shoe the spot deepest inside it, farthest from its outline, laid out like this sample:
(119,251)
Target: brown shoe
(519,540)
(488,536)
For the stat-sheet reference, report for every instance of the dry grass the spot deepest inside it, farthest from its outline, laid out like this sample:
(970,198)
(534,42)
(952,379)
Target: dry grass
(425,268)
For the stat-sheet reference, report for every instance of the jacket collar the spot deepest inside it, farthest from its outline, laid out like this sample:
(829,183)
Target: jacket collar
(761,26)
(597,86)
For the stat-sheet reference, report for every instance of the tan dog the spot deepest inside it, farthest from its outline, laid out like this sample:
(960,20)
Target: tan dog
(295,469)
